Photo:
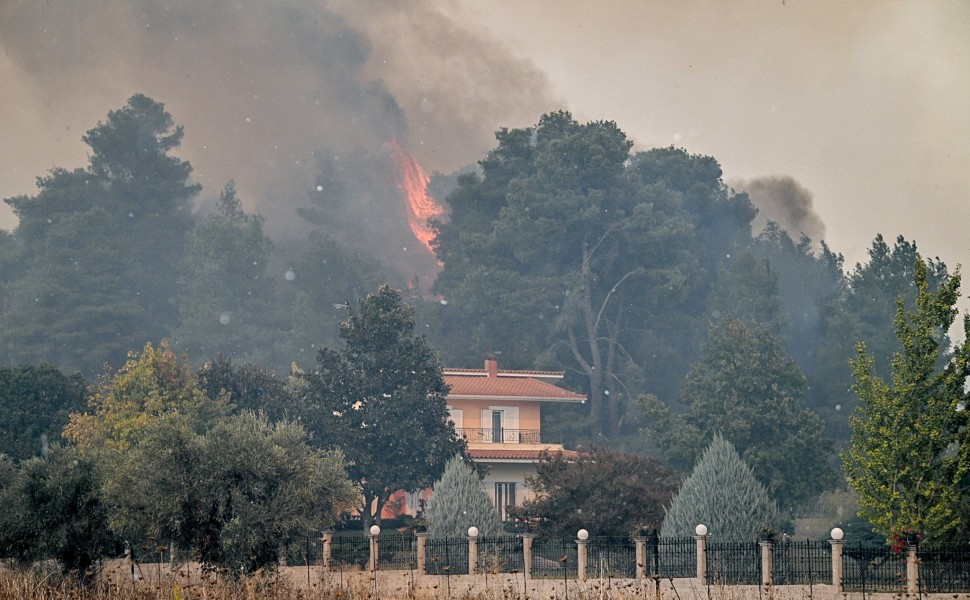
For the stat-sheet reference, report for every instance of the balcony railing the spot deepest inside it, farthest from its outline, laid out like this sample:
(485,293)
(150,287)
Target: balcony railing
(501,436)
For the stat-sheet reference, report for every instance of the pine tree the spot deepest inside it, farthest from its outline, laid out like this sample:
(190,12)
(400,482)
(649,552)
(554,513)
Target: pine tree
(723,494)
(459,502)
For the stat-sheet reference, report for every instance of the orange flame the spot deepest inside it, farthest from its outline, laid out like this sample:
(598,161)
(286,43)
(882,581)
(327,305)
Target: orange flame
(413,183)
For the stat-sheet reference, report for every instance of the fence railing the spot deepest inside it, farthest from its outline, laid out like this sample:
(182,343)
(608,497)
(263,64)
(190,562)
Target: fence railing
(350,552)
(801,562)
(940,569)
(672,557)
(873,569)
(501,554)
(500,436)
(944,569)
(554,558)
(612,558)
(734,563)
(447,556)
(397,551)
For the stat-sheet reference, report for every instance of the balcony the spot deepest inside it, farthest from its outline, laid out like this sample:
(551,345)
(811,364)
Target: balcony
(500,436)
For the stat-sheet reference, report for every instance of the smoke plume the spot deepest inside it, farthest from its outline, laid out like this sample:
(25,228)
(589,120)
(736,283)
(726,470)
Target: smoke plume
(783,200)
(260,87)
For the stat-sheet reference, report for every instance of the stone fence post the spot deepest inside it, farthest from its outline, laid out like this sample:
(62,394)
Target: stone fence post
(912,568)
(701,537)
(766,561)
(527,553)
(422,551)
(581,547)
(641,543)
(837,544)
(327,557)
(473,550)
(373,562)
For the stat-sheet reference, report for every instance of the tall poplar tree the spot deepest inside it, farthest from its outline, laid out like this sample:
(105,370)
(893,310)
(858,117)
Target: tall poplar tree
(910,450)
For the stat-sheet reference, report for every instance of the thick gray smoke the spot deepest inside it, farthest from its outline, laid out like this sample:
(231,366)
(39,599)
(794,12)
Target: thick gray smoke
(783,200)
(261,86)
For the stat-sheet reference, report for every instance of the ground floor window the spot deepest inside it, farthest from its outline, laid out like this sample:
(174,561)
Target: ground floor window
(504,498)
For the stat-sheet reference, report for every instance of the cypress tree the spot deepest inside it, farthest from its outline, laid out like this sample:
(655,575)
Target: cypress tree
(459,501)
(722,493)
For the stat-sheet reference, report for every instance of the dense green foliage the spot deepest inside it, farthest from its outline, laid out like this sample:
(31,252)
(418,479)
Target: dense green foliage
(910,454)
(746,389)
(722,493)
(605,492)
(865,312)
(150,387)
(381,399)
(158,461)
(35,402)
(98,248)
(565,249)
(569,249)
(249,387)
(227,295)
(234,495)
(459,501)
(53,508)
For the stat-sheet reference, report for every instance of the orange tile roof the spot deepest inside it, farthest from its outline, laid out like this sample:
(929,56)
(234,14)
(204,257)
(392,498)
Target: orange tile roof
(513,454)
(507,385)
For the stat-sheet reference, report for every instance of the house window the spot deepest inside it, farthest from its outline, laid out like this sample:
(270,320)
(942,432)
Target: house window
(457,416)
(497,436)
(500,425)
(504,498)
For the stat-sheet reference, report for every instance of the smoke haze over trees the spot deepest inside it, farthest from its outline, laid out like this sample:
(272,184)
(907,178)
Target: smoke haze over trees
(565,249)
(218,182)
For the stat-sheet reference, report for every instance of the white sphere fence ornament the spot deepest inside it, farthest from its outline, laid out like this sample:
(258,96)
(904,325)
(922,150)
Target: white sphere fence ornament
(837,534)
(473,531)
(701,529)
(582,534)
(375,530)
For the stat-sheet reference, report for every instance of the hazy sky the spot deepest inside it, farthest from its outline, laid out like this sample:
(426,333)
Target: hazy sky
(863,108)
(865,104)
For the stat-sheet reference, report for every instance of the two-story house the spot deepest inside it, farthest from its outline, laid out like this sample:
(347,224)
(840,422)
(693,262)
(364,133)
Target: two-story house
(497,412)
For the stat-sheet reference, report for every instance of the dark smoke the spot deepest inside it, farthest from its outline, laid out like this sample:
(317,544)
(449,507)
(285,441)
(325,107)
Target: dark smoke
(783,200)
(261,86)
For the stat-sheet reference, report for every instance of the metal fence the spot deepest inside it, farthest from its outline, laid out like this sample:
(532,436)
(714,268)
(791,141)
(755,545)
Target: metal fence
(397,551)
(554,559)
(944,569)
(672,557)
(805,562)
(350,552)
(307,551)
(611,558)
(872,569)
(500,554)
(734,563)
(446,556)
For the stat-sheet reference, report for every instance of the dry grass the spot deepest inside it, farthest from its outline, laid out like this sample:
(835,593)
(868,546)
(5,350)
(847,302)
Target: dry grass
(157,583)
(40,585)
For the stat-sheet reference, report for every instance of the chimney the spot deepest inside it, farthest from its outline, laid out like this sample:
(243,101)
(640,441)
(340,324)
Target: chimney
(491,366)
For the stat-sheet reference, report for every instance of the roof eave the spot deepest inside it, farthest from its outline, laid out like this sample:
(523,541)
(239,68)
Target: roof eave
(525,398)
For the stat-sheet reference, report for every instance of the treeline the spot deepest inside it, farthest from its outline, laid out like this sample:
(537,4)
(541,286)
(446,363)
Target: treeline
(229,465)
(636,272)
